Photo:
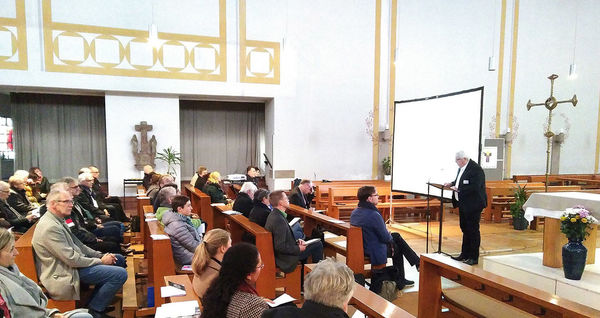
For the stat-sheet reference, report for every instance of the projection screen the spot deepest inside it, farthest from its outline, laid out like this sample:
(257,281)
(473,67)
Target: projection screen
(427,134)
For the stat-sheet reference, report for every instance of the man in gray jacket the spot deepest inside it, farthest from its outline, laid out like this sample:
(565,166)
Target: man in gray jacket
(62,261)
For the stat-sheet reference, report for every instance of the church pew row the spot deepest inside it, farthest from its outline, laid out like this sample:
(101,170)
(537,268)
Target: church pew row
(268,281)
(185,281)
(26,263)
(340,208)
(322,189)
(553,178)
(371,304)
(486,293)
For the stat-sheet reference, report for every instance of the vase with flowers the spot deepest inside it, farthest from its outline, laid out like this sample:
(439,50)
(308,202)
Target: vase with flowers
(575,223)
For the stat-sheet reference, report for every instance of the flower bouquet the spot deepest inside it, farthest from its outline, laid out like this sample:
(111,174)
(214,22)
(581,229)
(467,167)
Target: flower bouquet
(575,223)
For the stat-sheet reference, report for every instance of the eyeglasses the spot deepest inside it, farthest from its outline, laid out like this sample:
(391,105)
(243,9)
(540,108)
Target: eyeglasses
(261,266)
(65,201)
(5,191)
(375,195)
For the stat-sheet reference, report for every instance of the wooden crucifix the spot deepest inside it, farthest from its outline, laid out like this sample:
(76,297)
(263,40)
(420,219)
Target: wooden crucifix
(550,104)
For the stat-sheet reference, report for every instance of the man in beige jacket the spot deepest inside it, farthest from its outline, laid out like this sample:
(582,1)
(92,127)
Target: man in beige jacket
(62,261)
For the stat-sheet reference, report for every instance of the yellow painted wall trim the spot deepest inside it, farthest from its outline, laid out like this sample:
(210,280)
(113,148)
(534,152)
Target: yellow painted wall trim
(18,42)
(247,47)
(513,72)
(500,68)
(89,65)
(392,82)
(376,83)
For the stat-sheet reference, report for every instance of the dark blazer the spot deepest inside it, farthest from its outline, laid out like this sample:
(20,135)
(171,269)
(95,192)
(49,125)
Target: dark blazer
(284,245)
(259,214)
(310,309)
(200,182)
(16,219)
(243,203)
(215,192)
(299,199)
(471,189)
(85,201)
(17,199)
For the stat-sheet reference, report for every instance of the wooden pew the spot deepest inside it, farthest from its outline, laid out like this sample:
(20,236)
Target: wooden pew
(160,258)
(201,205)
(267,281)
(501,195)
(130,301)
(372,304)
(355,257)
(500,294)
(185,281)
(322,188)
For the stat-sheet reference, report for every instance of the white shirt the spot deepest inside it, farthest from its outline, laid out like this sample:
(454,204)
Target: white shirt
(456,182)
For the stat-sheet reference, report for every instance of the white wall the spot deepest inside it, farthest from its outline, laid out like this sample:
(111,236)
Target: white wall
(123,112)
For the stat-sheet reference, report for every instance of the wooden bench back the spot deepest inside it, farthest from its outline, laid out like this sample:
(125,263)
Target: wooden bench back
(511,293)
(26,259)
(201,205)
(355,257)
(322,188)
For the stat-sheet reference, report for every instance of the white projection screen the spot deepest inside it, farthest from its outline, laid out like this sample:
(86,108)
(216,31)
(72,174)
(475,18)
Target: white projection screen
(427,134)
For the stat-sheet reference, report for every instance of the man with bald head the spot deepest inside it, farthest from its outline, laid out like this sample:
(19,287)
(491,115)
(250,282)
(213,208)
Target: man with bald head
(62,261)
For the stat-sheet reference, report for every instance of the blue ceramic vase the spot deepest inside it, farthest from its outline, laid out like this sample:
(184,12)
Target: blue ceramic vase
(574,255)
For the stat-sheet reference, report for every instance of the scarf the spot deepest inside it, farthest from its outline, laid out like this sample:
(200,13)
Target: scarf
(247,288)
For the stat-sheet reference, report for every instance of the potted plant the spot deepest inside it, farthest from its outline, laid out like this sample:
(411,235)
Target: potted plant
(575,223)
(516,209)
(172,158)
(387,168)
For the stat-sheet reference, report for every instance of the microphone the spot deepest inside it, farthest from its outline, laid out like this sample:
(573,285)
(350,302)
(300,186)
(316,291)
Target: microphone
(267,161)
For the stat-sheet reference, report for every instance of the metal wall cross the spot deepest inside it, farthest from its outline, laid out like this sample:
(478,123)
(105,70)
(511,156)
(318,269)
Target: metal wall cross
(550,104)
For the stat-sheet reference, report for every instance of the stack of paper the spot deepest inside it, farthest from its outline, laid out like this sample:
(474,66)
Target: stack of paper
(178,309)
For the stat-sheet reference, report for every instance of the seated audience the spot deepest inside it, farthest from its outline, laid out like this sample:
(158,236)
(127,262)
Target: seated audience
(251,175)
(18,198)
(207,259)
(261,209)
(327,290)
(77,224)
(202,178)
(164,202)
(302,195)
(178,225)
(40,186)
(112,204)
(23,297)
(233,293)
(243,201)
(24,175)
(153,188)
(197,174)
(21,222)
(166,181)
(62,261)
(213,188)
(288,250)
(148,173)
(376,237)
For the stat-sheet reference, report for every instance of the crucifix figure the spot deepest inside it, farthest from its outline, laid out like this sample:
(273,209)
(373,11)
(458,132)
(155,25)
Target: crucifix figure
(550,104)
(144,155)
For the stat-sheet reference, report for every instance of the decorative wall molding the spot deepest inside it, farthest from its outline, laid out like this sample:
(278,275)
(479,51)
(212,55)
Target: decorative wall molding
(13,39)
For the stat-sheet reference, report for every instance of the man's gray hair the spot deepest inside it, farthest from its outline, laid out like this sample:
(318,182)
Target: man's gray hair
(63,186)
(165,194)
(248,186)
(55,193)
(85,175)
(69,180)
(330,283)
(4,185)
(461,154)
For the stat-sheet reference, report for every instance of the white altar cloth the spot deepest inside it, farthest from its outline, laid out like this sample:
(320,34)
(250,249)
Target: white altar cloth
(553,204)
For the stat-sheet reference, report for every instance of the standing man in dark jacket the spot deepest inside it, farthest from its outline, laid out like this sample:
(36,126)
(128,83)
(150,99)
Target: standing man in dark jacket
(288,250)
(376,237)
(470,198)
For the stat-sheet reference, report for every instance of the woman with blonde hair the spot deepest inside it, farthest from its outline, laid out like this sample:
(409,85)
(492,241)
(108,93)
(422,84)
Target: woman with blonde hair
(213,188)
(207,259)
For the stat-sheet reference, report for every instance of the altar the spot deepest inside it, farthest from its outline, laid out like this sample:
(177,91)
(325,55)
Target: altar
(551,205)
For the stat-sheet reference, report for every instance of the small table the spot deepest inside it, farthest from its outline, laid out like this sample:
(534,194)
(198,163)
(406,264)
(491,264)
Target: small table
(551,205)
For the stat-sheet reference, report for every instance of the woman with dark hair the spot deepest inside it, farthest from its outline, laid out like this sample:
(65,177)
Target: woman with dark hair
(40,185)
(261,209)
(232,294)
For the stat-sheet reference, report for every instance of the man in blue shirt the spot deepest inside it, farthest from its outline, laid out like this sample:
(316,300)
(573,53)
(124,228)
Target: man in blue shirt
(376,237)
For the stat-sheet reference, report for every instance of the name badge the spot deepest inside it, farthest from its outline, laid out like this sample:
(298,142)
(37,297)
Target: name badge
(465,181)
